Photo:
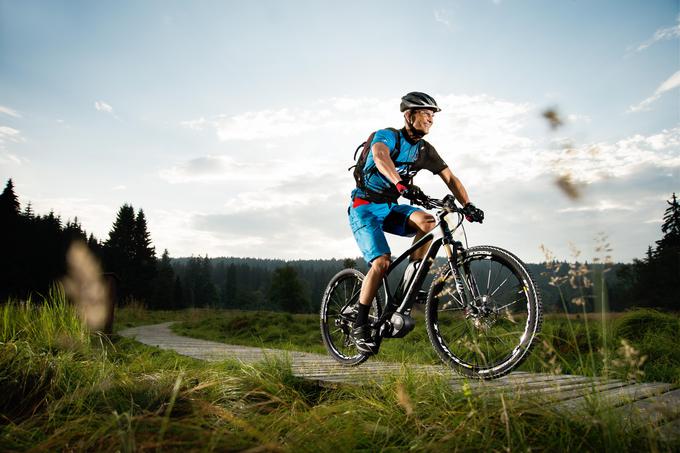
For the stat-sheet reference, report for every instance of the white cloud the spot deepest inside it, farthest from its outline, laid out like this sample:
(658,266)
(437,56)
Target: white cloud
(597,161)
(482,138)
(442,17)
(102,106)
(8,158)
(9,135)
(671,83)
(120,187)
(332,113)
(662,34)
(600,206)
(218,168)
(9,111)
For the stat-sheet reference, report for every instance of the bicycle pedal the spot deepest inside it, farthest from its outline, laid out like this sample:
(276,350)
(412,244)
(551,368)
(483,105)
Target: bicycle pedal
(421,297)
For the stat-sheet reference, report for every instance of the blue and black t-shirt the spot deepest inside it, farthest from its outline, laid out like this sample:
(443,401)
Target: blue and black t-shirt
(409,159)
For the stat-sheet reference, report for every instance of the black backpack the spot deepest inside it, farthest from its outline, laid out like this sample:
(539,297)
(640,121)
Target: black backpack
(365,148)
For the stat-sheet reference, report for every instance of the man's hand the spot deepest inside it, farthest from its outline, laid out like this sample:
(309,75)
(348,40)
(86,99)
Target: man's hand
(472,213)
(410,191)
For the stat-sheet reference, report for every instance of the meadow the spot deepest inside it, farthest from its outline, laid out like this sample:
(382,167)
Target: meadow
(65,388)
(639,345)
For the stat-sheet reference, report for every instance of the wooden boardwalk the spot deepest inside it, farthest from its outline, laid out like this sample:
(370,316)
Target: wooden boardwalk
(653,403)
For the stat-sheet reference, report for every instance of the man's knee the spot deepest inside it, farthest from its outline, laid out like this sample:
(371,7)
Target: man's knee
(423,221)
(380,264)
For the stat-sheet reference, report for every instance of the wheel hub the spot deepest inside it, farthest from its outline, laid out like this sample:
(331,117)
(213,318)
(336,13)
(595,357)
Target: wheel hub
(481,314)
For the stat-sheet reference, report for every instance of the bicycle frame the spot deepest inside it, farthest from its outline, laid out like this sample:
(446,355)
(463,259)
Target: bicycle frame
(440,235)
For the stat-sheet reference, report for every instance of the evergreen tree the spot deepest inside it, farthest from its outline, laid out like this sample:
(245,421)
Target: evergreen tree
(94,245)
(349,263)
(164,284)
(119,251)
(28,212)
(74,231)
(657,276)
(229,289)
(670,228)
(178,294)
(287,292)
(667,257)
(11,239)
(9,203)
(144,259)
(207,289)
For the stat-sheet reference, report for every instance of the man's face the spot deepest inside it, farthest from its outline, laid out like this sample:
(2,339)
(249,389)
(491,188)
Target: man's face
(422,119)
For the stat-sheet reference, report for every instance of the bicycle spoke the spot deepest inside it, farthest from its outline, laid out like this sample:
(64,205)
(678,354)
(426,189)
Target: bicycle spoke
(499,286)
(507,305)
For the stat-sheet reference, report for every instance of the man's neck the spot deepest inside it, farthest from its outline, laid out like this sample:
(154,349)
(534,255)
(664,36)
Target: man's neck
(408,133)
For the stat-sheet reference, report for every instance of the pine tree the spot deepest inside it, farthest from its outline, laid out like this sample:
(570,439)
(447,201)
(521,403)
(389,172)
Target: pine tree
(657,276)
(119,251)
(287,292)
(178,294)
(163,284)
(230,287)
(667,257)
(11,240)
(670,228)
(208,292)
(28,212)
(349,263)
(9,203)
(144,259)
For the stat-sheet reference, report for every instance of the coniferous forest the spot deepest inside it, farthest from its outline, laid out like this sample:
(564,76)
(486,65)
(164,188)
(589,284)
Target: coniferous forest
(34,246)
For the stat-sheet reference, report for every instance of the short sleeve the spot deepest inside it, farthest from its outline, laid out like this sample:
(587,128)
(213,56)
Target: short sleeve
(386,137)
(431,160)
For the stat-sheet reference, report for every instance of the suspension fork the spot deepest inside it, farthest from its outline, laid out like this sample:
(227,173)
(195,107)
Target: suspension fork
(466,286)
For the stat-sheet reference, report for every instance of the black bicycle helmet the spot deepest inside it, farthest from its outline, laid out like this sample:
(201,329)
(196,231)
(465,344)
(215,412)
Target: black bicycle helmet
(418,100)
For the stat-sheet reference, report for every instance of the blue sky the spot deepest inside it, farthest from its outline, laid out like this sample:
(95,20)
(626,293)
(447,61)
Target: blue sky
(232,123)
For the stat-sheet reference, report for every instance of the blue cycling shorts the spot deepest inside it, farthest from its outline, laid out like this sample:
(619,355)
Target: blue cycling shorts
(369,222)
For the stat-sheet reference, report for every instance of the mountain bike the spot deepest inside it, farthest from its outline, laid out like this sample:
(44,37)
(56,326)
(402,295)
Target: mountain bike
(482,311)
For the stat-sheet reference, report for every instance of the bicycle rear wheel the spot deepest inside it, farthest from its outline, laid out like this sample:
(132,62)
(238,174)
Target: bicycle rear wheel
(338,313)
(487,331)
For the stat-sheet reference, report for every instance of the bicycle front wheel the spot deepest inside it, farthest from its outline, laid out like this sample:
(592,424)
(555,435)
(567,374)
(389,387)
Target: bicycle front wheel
(338,313)
(486,330)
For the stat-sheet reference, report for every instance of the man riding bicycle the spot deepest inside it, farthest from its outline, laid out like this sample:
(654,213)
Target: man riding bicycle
(394,159)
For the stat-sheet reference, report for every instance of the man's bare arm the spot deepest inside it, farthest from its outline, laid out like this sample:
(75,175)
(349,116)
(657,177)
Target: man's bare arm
(381,157)
(456,187)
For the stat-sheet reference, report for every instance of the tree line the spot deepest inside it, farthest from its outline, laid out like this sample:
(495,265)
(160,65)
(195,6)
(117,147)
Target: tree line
(34,247)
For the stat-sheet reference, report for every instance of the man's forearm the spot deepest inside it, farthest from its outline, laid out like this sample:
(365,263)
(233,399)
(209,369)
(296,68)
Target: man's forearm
(381,157)
(458,191)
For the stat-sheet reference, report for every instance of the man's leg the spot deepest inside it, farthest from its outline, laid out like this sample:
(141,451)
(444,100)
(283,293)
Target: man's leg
(372,281)
(423,223)
(362,331)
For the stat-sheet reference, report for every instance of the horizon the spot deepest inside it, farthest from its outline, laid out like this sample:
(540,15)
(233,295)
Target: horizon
(234,134)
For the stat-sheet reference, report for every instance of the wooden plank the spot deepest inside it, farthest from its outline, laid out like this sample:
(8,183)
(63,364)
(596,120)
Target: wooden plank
(614,396)
(654,409)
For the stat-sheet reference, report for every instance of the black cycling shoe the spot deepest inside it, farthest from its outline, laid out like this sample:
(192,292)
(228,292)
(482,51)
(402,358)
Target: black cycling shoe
(363,340)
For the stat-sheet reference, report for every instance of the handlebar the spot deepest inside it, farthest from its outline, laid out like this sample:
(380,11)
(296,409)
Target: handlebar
(448,203)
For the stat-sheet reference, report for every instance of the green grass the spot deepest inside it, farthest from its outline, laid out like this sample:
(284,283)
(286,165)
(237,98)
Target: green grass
(570,346)
(64,388)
